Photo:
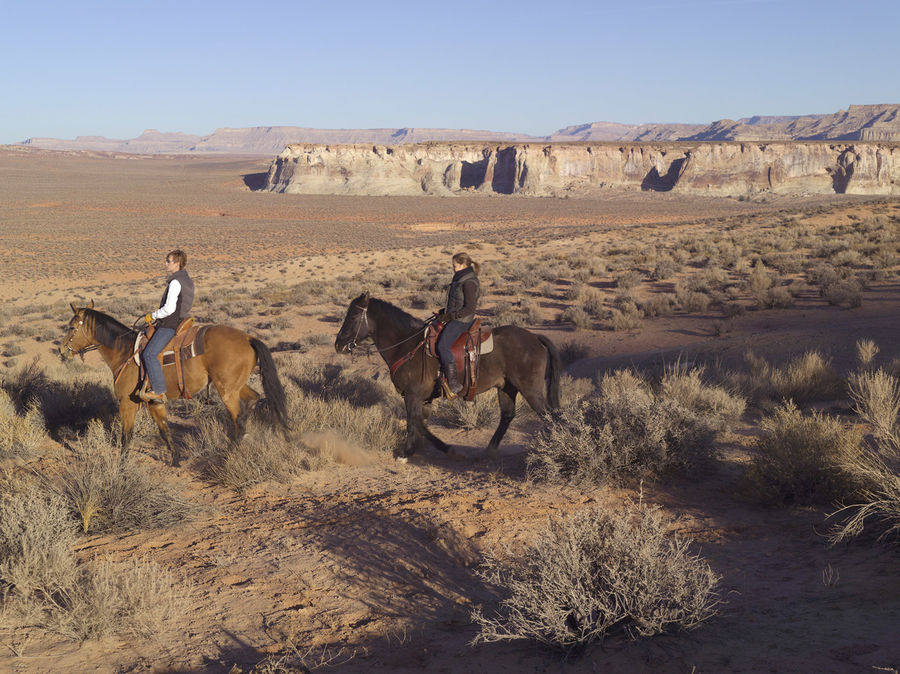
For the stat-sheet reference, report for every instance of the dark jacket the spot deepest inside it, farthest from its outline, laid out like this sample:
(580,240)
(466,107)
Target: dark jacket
(462,296)
(185,300)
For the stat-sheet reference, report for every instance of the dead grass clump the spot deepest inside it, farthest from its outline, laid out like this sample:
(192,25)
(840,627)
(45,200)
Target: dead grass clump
(806,378)
(36,537)
(802,459)
(628,429)
(262,455)
(578,317)
(458,413)
(876,506)
(266,454)
(109,491)
(47,588)
(596,574)
(20,434)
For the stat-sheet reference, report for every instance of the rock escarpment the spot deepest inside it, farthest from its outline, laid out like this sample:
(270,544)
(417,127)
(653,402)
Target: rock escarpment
(581,169)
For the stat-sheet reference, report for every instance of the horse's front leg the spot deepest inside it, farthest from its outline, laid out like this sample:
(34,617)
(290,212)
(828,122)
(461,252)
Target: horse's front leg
(127,411)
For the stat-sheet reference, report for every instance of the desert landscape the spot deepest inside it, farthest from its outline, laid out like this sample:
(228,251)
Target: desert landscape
(313,549)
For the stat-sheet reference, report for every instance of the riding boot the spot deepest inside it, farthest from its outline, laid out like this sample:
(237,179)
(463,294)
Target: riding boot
(452,378)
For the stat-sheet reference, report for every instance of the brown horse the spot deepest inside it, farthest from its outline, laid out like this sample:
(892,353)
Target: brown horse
(521,362)
(228,359)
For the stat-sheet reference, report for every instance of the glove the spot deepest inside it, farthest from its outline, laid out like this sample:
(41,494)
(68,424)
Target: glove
(148,319)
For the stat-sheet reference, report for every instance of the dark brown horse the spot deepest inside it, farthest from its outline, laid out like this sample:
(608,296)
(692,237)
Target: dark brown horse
(228,359)
(521,362)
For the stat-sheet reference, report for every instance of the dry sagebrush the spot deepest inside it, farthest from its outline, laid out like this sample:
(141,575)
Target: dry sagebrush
(595,574)
(632,429)
(803,459)
(44,585)
(876,505)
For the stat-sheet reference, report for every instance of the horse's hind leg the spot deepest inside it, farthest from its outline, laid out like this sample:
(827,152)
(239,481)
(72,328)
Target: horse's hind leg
(158,412)
(506,396)
(232,402)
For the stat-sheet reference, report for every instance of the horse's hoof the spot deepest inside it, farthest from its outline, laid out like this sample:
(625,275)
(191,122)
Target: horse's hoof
(401,459)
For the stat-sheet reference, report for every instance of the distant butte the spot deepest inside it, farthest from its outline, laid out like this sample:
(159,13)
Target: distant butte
(858,123)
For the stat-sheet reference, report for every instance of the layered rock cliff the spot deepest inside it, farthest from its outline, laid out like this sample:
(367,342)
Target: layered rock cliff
(580,169)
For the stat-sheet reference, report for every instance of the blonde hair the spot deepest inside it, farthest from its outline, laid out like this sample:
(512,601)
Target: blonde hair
(466,261)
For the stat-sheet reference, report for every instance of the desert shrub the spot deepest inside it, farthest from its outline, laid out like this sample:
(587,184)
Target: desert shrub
(732,309)
(690,301)
(574,291)
(627,318)
(262,455)
(592,302)
(364,424)
(131,598)
(802,459)
(664,268)
(845,293)
(594,574)
(457,413)
(13,349)
(628,280)
(36,537)
(658,304)
(629,430)
(876,398)
(48,588)
(20,434)
(111,492)
(805,378)
(759,283)
(578,317)
(866,350)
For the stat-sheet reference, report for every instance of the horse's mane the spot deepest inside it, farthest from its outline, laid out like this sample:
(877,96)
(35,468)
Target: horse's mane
(404,321)
(107,330)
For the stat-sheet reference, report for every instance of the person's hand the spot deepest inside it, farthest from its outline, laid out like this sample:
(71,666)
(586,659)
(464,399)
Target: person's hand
(148,319)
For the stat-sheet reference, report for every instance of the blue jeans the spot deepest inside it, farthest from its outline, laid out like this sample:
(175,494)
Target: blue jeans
(450,334)
(150,357)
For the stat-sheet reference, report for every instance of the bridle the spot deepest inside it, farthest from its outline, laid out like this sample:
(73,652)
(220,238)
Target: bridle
(72,332)
(353,343)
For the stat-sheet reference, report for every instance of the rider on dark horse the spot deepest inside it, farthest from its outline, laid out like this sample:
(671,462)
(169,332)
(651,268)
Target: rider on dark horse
(175,306)
(462,299)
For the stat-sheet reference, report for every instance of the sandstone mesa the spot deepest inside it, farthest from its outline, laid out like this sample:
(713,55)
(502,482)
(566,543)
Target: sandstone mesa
(581,169)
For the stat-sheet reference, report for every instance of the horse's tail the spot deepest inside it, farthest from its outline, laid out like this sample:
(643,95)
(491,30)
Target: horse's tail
(554,366)
(271,383)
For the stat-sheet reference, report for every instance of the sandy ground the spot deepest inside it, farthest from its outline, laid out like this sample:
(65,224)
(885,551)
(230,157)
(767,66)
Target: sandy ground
(371,566)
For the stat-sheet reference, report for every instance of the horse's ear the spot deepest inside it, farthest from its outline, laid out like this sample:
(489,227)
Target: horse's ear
(365,299)
(74,308)
(92,304)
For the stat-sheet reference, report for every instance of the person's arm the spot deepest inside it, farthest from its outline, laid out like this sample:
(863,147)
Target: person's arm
(168,307)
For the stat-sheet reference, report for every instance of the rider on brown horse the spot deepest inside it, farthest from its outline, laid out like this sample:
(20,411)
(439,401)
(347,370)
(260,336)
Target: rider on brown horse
(462,298)
(175,306)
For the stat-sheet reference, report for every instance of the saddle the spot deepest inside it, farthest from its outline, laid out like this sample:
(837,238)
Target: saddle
(467,351)
(186,344)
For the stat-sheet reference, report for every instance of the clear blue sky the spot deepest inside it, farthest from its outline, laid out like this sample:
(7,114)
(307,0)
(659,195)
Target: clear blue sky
(116,68)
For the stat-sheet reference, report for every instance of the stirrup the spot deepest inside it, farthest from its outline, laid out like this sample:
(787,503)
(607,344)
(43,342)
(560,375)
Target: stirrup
(445,387)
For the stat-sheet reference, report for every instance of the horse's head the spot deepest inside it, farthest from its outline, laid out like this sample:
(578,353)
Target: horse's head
(77,338)
(356,325)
